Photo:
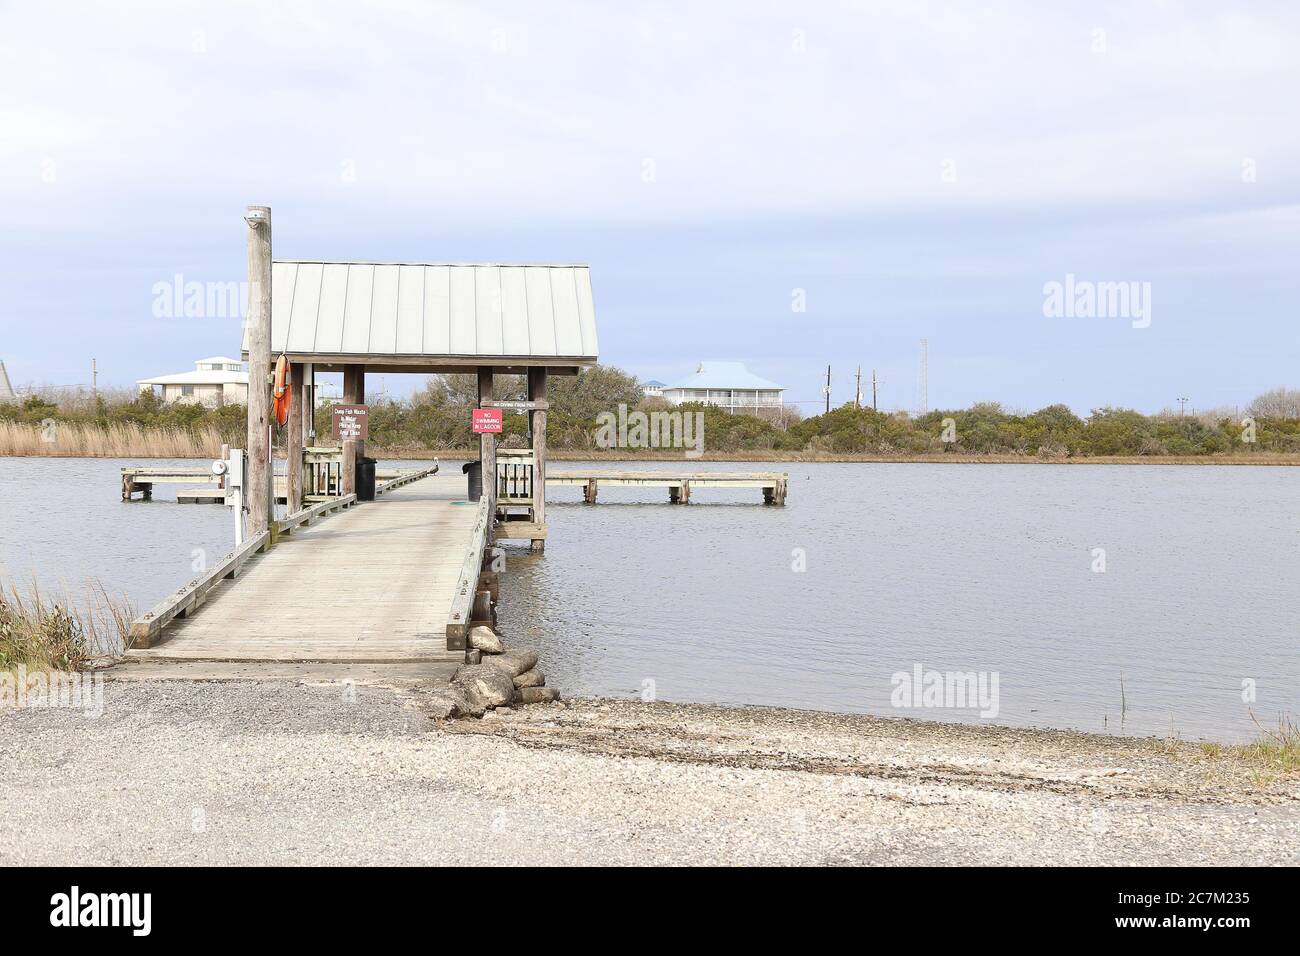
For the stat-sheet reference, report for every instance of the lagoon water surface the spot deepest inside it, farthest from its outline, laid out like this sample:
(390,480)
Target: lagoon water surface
(869,571)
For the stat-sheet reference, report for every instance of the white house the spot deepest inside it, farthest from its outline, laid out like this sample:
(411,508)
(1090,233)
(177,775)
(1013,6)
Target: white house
(652,389)
(215,381)
(728,385)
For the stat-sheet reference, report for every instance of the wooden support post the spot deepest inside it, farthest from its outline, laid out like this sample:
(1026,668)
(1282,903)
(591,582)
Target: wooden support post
(484,612)
(225,456)
(537,393)
(589,492)
(294,442)
(686,492)
(354,393)
(309,403)
(488,446)
(257,494)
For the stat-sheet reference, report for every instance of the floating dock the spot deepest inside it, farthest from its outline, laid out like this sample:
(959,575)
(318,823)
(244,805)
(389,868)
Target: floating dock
(679,484)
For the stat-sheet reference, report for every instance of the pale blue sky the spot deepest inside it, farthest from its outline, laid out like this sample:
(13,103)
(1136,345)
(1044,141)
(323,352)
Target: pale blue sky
(918,169)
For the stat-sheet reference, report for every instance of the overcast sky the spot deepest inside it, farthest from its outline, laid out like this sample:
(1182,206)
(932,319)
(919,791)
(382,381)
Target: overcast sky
(918,170)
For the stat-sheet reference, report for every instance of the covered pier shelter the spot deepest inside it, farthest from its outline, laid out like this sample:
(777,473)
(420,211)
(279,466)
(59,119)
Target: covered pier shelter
(357,317)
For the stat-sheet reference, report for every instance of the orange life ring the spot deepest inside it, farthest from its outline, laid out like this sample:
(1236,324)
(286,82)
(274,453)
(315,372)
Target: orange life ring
(281,391)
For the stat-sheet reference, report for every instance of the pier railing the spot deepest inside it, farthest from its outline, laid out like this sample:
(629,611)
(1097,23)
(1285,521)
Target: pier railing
(461,615)
(515,470)
(322,473)
(146,630)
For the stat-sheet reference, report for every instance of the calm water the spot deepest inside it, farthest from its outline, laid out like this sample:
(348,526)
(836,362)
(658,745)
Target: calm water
(984,568)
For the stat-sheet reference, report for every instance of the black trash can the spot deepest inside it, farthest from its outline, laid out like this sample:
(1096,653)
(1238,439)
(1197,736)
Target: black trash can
(365,479)
(474,469)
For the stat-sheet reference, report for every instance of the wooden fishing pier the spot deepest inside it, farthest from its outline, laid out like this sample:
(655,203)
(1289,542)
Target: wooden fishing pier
(400,580)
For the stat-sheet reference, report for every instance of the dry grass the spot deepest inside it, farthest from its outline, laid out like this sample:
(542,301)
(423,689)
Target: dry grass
(73,440)
(1274,756)
(44,634)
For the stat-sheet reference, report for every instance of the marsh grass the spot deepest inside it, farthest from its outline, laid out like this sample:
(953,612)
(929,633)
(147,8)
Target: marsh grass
(62,439)
(57,634)
(1273,755)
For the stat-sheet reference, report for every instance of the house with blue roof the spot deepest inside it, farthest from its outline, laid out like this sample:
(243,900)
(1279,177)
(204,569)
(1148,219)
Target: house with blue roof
(728,385)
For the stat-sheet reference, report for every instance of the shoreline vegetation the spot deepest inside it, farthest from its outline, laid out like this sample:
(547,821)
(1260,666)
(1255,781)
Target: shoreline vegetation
(435,422)
(41,633)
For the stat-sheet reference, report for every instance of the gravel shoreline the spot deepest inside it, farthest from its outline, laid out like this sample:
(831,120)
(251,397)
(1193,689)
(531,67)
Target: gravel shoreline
(265,772)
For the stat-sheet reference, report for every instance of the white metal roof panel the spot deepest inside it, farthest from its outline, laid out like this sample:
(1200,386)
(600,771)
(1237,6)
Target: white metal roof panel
(428,309)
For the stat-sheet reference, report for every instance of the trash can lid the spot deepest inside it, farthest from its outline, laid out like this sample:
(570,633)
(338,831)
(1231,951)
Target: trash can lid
(470,465)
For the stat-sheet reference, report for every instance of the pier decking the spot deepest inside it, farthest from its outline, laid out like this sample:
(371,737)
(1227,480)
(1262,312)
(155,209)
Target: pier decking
(377,583)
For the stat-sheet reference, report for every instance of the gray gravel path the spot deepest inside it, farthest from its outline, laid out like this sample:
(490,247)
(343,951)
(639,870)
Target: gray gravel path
(267,772)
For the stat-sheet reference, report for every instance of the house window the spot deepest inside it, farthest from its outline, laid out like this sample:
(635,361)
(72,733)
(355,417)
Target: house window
(187,390)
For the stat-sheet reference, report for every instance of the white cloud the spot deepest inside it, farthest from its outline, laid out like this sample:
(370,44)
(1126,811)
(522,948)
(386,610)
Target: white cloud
(453,112)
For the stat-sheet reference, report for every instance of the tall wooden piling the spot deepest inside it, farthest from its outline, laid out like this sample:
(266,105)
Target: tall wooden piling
(537,425)
(258,493)
(488,445)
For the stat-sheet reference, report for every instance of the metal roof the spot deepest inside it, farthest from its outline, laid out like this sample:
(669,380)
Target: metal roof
(428,311)
(197,377)
(723,375)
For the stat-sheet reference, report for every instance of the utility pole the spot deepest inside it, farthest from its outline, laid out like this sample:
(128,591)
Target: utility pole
(873,390)
(1182,406)
(94,379)
(925,376)
(827,389)
(857,389)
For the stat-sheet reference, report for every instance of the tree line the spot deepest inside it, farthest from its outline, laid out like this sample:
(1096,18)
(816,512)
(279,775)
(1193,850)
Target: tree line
(437,418)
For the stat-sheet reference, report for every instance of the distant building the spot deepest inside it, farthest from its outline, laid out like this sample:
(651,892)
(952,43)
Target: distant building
(7,393)
(652,389)
(214,381)
(728,385)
